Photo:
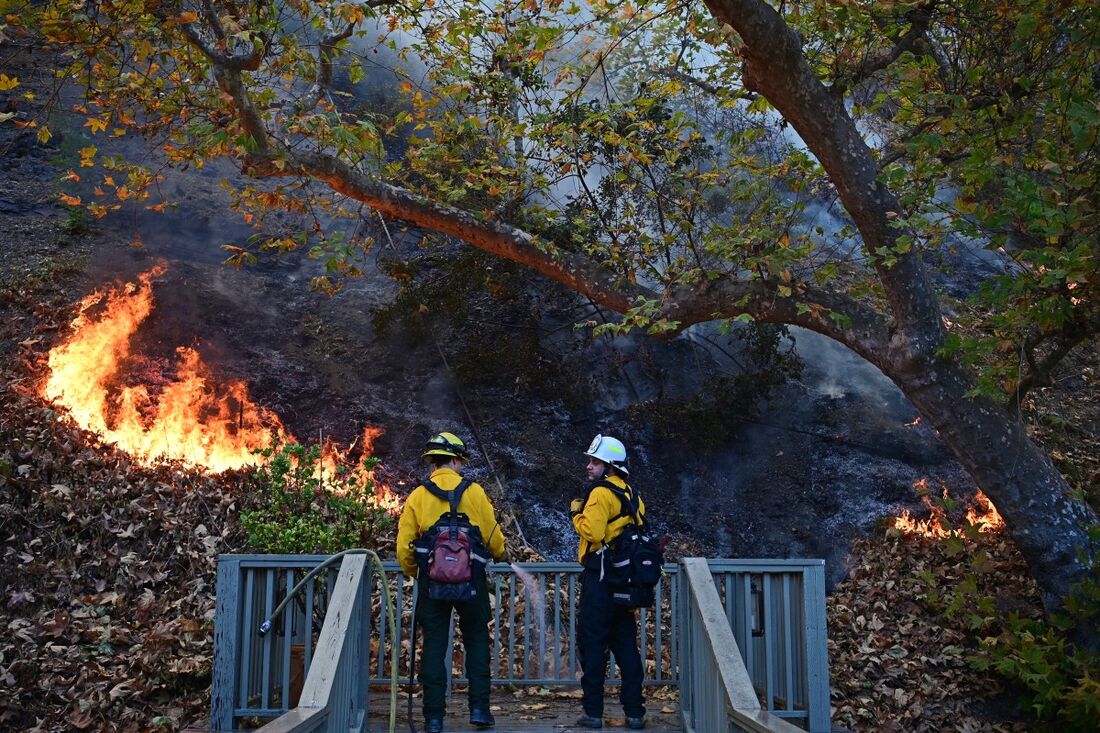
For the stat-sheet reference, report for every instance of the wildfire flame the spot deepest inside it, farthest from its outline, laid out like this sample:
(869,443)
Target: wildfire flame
(333,457)
(190,418)
(981,514)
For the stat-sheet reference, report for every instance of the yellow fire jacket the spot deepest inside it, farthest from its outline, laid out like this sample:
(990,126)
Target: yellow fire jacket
(422,509)
(595,524)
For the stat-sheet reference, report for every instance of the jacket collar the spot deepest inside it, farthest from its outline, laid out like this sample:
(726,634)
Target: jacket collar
(616,480)
(445,471)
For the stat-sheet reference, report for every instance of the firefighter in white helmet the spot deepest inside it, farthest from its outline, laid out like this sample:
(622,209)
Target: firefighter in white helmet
(604,625)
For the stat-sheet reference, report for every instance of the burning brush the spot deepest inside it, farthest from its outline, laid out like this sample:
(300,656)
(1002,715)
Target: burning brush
(189,417)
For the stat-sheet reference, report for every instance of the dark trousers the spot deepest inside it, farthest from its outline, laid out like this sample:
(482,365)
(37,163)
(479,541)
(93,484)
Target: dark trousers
(604,625)
(435,663)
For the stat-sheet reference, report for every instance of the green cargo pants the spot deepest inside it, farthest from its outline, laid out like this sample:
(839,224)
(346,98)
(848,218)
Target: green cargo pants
(435,663)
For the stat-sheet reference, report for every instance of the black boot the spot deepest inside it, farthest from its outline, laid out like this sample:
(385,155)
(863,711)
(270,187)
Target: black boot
(588,721)
(435,725)
(635,723)
(482,718)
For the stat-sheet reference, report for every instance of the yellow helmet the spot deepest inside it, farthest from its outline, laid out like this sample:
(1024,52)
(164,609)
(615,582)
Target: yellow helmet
(447,444)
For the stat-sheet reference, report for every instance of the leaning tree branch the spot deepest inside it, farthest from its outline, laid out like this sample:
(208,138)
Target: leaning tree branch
(836,315)
(495,237)
(776,67)
(833,314)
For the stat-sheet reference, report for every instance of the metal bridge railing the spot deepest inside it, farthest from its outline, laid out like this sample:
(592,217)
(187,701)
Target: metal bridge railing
(716,693)
(775,610)
(334,693)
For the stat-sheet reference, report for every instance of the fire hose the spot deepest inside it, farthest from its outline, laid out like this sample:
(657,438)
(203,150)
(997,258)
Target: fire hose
(412,656)
(376,563)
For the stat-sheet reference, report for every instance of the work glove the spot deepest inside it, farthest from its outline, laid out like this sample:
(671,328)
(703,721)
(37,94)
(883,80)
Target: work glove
(576,507)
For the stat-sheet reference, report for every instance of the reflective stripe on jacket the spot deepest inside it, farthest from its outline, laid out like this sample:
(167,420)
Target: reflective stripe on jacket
(595,525)
(422,509)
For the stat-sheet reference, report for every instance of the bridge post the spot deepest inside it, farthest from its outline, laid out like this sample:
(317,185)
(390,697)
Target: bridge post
(817,656)
(226,648)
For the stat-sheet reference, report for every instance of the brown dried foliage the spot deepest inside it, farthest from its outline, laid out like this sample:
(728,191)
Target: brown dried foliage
(107,581)
(898,659)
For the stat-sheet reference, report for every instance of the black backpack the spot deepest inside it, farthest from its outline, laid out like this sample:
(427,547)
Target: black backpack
(632,561)
(451,553)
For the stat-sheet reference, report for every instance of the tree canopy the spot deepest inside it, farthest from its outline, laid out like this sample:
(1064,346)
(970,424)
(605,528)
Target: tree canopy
(916,179)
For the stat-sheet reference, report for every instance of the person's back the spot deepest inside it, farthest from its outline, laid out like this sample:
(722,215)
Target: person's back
(423,510)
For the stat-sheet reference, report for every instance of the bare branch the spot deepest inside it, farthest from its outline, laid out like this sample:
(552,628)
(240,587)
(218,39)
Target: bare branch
(246,61)
(1039,371)
(212,20)
(920,18)
(324,69)
(696,82)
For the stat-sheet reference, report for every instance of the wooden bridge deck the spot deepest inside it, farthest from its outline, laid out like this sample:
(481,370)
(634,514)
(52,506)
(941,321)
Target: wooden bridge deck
(527,714)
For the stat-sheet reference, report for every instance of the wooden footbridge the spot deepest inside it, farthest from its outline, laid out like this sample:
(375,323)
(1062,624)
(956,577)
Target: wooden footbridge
(731,645)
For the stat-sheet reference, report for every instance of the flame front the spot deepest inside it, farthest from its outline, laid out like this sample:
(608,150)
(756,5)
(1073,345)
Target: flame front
(334,457)
(981,514)
(190,419)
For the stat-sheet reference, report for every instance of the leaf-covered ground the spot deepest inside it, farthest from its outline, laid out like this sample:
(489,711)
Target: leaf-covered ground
(107,577)
(898,660)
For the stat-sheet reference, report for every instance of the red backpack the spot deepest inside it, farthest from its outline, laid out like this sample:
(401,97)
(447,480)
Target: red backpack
(452,550)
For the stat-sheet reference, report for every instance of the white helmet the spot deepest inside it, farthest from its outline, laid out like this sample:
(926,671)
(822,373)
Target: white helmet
(609,450)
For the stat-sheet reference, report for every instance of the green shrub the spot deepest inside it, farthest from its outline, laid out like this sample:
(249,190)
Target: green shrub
(1061,679)
(293,507)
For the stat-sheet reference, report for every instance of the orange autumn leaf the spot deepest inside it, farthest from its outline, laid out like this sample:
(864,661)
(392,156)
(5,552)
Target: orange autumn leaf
(96,124)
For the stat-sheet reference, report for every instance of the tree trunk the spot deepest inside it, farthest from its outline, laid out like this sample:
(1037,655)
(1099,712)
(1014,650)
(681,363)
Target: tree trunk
(1048,523)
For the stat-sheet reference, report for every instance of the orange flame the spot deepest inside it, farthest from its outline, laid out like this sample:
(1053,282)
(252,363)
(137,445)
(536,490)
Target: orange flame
(190,419)
(981,514)
(333,457)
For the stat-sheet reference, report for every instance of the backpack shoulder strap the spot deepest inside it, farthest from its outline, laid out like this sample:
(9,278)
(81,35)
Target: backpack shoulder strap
(457,492)
(628,502)
(435,490)
(452,497)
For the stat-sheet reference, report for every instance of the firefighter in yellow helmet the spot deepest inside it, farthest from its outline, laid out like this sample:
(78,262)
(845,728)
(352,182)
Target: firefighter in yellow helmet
(602,624)
(426,505)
